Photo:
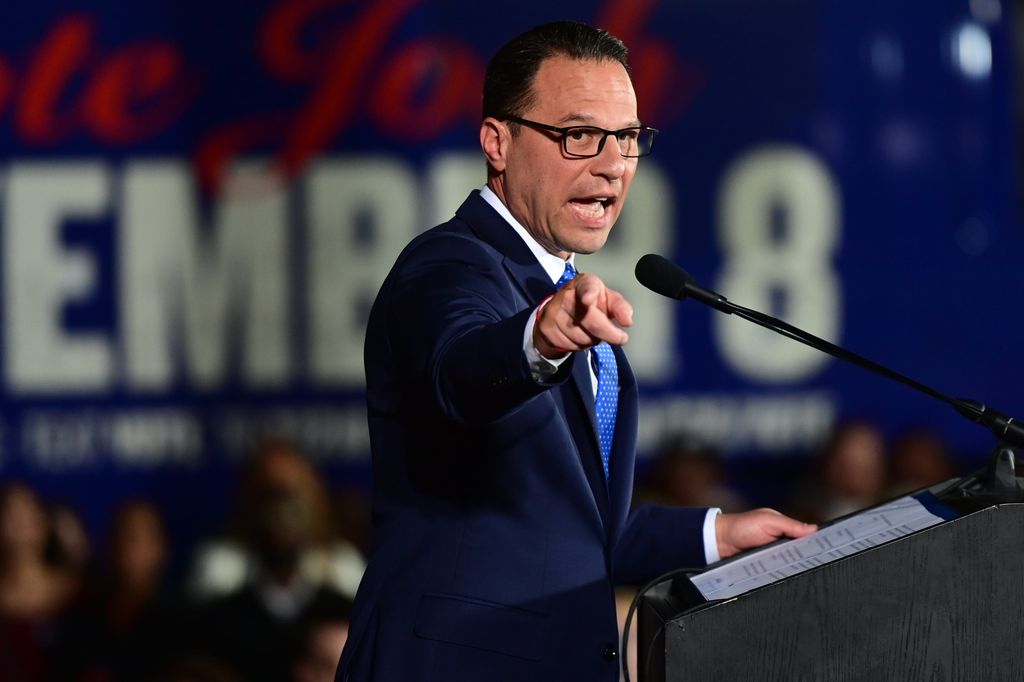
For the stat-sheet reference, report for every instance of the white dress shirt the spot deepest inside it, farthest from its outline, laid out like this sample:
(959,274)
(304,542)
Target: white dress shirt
(542,367)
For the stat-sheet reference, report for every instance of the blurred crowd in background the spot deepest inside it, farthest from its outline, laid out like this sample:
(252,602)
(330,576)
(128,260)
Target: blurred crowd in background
(269,597)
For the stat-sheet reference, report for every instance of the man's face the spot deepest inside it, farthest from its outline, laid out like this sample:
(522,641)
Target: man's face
(569,204)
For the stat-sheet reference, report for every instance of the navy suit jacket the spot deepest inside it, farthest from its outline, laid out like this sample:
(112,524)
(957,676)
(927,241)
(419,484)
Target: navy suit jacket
(498,541)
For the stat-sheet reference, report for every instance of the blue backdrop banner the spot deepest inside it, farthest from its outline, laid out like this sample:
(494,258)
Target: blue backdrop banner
(199,200)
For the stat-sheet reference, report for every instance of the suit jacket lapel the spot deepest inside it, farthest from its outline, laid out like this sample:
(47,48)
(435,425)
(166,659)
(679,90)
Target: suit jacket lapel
(590,451)
(534,284)
(583,380)
(527,274)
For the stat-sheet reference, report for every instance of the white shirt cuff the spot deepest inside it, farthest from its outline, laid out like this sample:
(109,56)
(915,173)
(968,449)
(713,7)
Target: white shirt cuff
(541,368)
(710,537)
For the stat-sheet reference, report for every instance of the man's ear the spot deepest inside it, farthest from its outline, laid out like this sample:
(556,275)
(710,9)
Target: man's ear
(494,138)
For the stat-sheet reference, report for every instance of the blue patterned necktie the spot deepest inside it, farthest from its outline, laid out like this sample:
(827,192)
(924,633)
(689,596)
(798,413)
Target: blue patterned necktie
(606,402)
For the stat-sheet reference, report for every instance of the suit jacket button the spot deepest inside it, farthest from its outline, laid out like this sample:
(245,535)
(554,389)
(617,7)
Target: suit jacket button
(609,652)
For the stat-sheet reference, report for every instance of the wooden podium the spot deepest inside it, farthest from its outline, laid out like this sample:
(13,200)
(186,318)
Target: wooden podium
(944,603)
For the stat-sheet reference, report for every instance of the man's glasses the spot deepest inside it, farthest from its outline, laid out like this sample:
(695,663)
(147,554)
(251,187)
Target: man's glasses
(587,141)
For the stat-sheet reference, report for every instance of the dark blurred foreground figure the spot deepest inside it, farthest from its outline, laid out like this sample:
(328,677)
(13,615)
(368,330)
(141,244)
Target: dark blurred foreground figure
(127,627)
(197,668)
(502,410)
(285,529)
(34,590)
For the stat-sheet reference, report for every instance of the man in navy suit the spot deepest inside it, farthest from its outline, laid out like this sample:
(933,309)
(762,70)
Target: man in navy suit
(503,431)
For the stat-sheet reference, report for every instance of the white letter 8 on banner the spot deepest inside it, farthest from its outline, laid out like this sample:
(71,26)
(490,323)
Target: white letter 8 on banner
(778,227)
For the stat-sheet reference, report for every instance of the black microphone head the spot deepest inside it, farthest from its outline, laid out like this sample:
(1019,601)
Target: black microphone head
(662,276)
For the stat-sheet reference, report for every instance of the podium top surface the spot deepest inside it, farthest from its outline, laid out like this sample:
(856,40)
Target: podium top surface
(941,603)
(844,537)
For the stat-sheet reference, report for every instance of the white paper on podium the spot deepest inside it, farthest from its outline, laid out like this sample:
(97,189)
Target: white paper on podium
(854,534)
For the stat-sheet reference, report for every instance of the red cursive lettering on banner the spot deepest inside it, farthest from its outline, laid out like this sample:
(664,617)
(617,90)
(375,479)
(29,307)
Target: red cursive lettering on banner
(340,86)
(427,86)
(664,87)
(6,84)
(41,117)
(280,41)
(340,60)
(137,93)
(339,68)
(122,97)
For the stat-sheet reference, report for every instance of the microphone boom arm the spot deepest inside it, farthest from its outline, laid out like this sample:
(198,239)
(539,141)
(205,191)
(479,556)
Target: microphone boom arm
(665,277)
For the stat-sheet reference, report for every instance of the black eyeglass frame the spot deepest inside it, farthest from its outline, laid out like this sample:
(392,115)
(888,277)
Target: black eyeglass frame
(564,132)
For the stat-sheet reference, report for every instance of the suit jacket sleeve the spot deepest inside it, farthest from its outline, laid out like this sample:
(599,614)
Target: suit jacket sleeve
(658,539)
(455,326)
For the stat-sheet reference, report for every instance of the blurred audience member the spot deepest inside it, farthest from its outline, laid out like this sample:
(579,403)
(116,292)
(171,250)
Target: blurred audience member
(919,459)
(688,474)
(33,590)
(280,488)
(126,628)
(70,544)
(323,641)
(852,474)
(290,568)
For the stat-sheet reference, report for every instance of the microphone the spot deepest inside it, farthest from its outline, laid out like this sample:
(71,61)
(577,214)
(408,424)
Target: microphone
(664,277)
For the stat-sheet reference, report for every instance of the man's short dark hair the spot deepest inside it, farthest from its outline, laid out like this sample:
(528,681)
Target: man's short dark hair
(508,84)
